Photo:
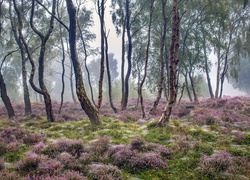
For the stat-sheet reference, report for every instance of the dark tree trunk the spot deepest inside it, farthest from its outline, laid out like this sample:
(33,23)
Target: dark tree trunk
(173,64)
(5,98)
(182,91)
(26,95)
(72,84)
(44,39)
(109,75)
(90,110)
(218,68)
(85,63)
(163,39)
(192,85)
(101,17)
(125,102)
(123,63)
(63,59)
(225,63)
(146,61)
(206,67)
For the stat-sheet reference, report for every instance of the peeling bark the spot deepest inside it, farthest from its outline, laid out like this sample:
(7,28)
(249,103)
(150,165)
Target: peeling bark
(173,64)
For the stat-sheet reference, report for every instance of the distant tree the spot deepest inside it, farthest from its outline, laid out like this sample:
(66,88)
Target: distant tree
(242,81)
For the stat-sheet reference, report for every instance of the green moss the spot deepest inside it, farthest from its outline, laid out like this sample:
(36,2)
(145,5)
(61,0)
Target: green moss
(176,122)
(204,136)
(243,141)
(152,124)
(238,152)
(158,135)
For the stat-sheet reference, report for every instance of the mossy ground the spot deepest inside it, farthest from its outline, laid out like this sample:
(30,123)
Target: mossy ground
(199,140)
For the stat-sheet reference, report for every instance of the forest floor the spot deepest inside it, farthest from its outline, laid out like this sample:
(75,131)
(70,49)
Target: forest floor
(205,140)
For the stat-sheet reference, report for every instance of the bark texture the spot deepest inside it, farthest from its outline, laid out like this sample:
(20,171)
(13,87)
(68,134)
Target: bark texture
(86,105)
(5,98)
(163,39)
(126,84)
(18,40)
(173,64)
(101,17)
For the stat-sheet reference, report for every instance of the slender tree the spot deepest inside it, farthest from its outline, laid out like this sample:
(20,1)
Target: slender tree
(173,64)
(146,59)
(90,110)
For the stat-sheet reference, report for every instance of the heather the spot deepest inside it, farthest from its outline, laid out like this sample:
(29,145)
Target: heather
(205,140)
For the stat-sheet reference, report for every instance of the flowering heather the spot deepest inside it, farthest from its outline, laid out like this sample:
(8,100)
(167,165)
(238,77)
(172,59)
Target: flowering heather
(100,146)
(29,163)
(133,161)
(1,163)
(37,148)
(50,167)
(104,172)
(74,147)
(114,149)
(181,143)
(137,143)
(6,175)
(13,146)
(66,159)
(68,175)
(9,135)
(222,161)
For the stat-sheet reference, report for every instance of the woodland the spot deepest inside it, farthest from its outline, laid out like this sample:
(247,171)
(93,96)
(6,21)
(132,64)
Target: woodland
(68,112)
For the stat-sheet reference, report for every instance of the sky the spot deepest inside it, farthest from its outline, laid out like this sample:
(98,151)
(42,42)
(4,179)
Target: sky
(115,47)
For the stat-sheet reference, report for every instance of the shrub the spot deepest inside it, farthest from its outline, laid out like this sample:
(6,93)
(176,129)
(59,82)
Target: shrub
(50,167)
(3,149)
(6,175)
(104,172)
(28,163)
(221,161)
(1,164)
(181,143)
(65,158)
(100,146)
(37,148)
(114,149)
(137,143)
(132,161)
(74,147)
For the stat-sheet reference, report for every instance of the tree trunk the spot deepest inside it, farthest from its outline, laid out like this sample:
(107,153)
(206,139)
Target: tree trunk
(85,63)
(123,63)
(163,39)
(71,84)
(125,102)
(192,85)
(225,63)
(109,75)
(146,60)
(26,95)
(183,87)
(44,39)
(5,98)
(206,66)
(101,10)
(187,87)
(218,69)
(173,64)
(90,110)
